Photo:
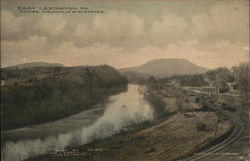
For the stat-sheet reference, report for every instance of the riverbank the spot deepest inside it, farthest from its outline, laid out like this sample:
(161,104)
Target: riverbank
(168,140)
(185,126)
(117,115)
(47,94)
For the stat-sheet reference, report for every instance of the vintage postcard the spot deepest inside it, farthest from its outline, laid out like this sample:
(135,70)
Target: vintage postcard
(128,80)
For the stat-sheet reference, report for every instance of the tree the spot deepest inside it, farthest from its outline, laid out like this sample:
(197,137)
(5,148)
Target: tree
(151,82)
(242,77)
(219,78)
(220,74)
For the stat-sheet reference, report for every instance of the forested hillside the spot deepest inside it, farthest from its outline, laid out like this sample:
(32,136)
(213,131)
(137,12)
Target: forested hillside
(41,94)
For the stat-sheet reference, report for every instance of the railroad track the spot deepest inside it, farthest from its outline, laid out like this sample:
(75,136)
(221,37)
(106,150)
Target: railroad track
(239,128)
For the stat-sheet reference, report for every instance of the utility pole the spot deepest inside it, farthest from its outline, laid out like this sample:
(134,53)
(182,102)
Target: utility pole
(218,110)
(218,120)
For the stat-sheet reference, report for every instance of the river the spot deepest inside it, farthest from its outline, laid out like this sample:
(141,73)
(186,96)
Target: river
(120,111)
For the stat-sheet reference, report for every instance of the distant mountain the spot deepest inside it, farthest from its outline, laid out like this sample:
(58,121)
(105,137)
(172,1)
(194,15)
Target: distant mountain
(35,64)
(165,67)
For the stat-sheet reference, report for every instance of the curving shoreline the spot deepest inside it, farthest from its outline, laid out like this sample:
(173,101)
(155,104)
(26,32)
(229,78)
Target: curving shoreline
(146,146)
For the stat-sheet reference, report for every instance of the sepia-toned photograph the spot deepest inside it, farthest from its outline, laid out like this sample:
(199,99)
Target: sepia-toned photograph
(125,80)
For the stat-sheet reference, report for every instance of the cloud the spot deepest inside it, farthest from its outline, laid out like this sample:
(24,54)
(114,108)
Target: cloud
(216,35)
(225,21)
(96,54)
(35,48)
(127,30)
(10,25)
(246,47)
(20,27)
(50,24)
(15,51)
(118,24)
(113,27)
(224,55)
(170,28)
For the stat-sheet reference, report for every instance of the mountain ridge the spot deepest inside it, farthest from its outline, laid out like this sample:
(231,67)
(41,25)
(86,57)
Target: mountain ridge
(166,67)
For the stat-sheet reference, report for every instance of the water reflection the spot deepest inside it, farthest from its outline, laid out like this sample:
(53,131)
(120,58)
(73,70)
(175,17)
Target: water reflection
(123,110)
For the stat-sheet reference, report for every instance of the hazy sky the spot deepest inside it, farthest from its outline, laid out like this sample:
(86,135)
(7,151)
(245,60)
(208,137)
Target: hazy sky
(208,33)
